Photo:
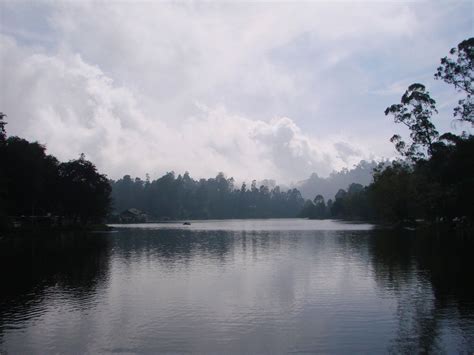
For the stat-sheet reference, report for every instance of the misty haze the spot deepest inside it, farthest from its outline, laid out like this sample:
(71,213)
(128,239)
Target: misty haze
(237,177)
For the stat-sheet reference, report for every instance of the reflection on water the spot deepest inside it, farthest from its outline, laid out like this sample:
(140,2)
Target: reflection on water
(241,225)
(272,286)
(430,276)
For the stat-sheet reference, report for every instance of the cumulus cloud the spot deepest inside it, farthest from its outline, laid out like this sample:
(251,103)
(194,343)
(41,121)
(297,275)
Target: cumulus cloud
(74,107)
(254,90)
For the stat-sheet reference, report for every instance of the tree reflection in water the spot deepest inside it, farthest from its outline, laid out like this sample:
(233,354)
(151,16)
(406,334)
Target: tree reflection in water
(429,273)
(314,279)
(39,266)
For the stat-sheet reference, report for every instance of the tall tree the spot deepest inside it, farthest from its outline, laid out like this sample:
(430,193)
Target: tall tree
(415,111)
(319,207)
(3,183)
(458,70)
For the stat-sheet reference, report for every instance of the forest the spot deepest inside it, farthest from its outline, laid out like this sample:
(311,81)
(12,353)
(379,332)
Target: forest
(328,186)
(182,197)
(433,178)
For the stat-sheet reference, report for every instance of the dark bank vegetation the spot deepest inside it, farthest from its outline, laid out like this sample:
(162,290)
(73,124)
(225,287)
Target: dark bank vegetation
(434,178)
(38,191)
(182,197)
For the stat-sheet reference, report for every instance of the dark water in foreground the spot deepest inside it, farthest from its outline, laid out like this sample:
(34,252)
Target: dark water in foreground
(238,286)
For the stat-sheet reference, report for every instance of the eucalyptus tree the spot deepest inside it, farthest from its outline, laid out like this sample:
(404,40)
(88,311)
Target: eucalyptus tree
(458,70)
(415,111)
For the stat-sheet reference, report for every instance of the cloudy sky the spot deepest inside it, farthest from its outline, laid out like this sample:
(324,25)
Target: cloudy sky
(256,90)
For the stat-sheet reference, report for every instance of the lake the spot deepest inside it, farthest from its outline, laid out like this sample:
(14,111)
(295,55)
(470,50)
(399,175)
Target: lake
(238,286)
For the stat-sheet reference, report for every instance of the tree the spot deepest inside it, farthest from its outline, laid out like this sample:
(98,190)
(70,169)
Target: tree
(30,175)
(34,184)
(415,111)
(3,184)
(392,192)
(85,192)
(3,134)
(337,208)
(319,207)
(458,70)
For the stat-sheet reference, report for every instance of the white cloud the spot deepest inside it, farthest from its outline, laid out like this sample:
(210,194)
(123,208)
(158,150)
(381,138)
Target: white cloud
(256,90)
(74,107)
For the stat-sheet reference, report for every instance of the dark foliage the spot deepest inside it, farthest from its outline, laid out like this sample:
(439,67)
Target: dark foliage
(85,194)
(435,189)
(3,184)
(435,182)
(351,204)
(31,177)
(458,70)
(34,184)
(2,128)
(182,197)
(415,112)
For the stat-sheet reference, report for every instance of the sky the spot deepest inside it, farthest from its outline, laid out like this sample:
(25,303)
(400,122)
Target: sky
(253,89)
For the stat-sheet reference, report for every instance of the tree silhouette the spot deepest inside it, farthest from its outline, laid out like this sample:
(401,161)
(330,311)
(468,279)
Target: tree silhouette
(415,112)
(458,70)
(3,183)
(31,178)
(3,133)
(85,192)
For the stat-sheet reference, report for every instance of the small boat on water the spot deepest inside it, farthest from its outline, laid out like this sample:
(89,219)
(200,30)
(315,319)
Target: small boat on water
(186,223)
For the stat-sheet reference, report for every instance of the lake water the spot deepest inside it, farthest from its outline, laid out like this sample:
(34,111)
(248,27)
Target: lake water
(260,286)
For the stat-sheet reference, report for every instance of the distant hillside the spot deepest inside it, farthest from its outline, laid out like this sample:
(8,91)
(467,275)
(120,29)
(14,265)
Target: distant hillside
(328,187)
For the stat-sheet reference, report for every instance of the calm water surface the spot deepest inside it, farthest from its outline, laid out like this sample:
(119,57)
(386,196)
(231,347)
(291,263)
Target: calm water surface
(261,286)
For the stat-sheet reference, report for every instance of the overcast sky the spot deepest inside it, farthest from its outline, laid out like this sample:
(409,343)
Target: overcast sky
(256,90)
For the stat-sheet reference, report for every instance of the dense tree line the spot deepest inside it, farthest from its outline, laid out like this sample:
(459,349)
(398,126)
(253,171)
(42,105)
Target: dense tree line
(434,179)
(35,184)
(315,185)
(182,197)
(350,204)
